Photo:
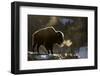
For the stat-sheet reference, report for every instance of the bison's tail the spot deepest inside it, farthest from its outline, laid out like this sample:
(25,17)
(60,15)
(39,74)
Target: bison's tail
(33,41)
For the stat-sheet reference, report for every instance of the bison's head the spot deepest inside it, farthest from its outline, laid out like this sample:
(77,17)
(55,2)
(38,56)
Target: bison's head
(60,37)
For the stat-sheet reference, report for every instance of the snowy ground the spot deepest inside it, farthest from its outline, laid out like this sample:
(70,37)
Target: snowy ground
(82,53)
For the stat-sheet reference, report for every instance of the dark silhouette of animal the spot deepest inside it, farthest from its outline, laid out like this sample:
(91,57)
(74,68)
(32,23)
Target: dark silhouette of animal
(47,37)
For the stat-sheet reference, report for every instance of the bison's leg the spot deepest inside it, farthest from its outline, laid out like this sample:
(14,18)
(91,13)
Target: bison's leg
(33,46)
(47,49)
(51,50)
(38,48)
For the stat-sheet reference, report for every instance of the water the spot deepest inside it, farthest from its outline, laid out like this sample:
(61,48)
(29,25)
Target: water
(83,52)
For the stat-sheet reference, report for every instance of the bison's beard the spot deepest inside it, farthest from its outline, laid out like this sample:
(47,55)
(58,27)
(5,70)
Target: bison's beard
(60,45)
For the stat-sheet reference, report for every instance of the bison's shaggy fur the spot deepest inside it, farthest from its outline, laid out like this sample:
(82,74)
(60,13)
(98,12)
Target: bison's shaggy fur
(47,37)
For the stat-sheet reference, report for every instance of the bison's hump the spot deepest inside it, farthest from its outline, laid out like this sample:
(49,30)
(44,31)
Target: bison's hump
(47,30)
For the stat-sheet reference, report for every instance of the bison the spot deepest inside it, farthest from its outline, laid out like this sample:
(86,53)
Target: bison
(47,37)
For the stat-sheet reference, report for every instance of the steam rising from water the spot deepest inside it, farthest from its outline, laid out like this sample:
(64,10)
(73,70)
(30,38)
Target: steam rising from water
(67,43)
